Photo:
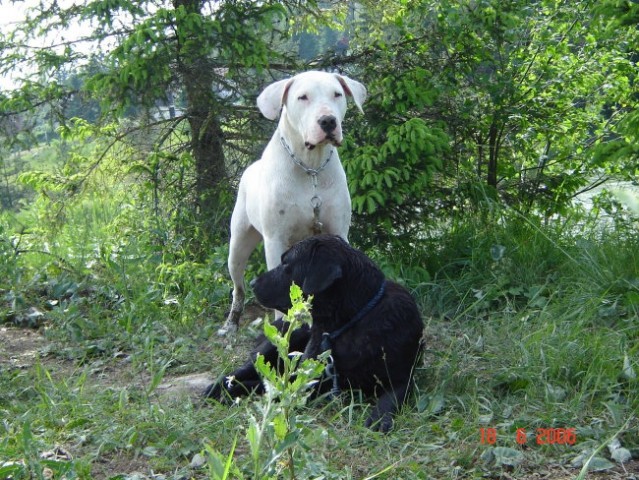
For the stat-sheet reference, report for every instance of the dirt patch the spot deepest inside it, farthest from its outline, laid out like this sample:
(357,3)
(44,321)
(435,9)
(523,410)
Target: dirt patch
(178,388)
(129,468)
(19,347)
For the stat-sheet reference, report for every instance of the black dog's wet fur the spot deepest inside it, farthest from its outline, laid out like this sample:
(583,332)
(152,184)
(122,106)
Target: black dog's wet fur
(376,355)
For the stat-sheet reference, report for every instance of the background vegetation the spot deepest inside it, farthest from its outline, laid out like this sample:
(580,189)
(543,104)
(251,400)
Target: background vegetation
(488,129)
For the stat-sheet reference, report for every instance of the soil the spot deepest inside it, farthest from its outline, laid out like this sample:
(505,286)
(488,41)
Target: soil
(19,347)
(22,348)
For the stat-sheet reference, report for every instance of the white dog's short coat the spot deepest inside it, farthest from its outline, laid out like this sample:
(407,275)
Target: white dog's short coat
(298,187)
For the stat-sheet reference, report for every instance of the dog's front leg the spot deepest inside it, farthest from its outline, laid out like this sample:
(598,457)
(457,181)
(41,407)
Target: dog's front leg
(242,382)
(313,346)
(245,379)
(381,418)
(244,239)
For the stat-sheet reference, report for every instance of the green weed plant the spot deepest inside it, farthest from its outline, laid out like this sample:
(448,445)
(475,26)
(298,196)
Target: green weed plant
(279,431)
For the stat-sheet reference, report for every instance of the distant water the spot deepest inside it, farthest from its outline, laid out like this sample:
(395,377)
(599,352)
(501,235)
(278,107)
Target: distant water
(624,191)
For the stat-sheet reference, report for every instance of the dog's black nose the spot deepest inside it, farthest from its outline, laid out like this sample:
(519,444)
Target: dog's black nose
(328,123)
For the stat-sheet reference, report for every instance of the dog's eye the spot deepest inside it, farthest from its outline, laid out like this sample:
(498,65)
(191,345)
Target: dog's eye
(303,97)
(338,94)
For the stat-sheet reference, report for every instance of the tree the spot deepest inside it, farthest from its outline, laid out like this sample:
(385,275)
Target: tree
(523,102)
(523,94)
(199,52)
(623,145)
(536,87)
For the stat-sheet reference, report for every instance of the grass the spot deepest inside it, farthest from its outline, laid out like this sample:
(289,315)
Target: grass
(528,326)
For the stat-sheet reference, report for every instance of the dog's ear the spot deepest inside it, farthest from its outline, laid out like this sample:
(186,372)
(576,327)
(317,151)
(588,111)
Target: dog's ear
(272,98)
(321,276)
(353,89)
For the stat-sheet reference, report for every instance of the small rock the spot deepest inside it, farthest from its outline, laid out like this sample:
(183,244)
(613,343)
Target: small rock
(198,461)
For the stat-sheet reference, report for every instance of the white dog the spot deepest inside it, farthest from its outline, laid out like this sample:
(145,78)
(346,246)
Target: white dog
(298,188)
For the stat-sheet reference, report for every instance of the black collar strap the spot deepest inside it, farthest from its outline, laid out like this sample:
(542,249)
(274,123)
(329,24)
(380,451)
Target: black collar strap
(328,338)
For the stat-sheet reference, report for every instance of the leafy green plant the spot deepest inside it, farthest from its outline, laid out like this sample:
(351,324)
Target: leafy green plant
(391,175)
(279,431)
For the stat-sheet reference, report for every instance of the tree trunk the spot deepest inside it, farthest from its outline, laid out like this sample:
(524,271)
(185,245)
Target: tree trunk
(207,140)
(493,153)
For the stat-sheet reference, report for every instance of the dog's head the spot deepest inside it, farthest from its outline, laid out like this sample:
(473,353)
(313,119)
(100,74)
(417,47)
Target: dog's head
(313,104)
(315,264)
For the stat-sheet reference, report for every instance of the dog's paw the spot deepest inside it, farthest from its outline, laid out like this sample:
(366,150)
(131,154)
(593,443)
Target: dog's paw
(214,392)
(380,422)
(229,329)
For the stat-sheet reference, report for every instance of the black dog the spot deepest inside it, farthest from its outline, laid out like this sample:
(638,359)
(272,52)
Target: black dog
(371,325)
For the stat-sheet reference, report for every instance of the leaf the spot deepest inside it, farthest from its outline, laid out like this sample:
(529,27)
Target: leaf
(488,456)
(265,370)
(150,452)
(280,426)
(11,469)
(270,331)
(370,205)
(432,405)
(628,372)
(621,455)
(629,198)
(296,293)
(507,456)
(157,377)
(290,440)
(598,464)
(500,456)
(198,461)
(254,438)
(632,298)
(555,393)
(497,252)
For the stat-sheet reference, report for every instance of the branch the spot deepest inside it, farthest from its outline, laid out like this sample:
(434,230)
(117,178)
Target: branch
(11,113)
(331,59)
(64,263)
(600,181)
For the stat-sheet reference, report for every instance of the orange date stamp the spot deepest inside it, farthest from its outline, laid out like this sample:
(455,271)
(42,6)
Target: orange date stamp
(542,436)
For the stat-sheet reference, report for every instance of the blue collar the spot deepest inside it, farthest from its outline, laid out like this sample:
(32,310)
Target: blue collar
(328,338)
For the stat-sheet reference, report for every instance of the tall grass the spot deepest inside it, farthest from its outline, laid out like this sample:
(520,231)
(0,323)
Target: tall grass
(539,324)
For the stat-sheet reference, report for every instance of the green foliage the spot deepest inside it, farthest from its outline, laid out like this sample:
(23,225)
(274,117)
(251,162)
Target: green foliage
(107,251)
(526,103)
(280,436)
(141,66)
(182,56)
(397,171)
(535,101)
(622,146)
(529,325)
(394,157)
(508,262)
